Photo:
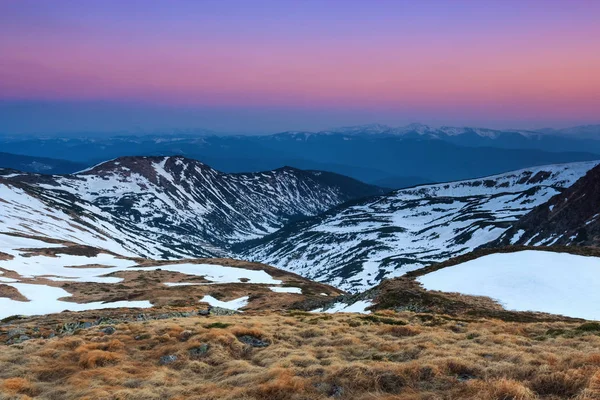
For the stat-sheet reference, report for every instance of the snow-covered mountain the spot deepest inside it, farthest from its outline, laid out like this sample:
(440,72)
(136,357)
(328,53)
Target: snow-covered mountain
(577,132)
(569,218)
(170,206)
(357,245)
(370,153)
(426,131)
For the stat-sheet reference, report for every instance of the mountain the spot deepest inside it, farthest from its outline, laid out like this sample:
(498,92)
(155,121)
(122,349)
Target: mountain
(579,132)
(38,164)
(569,218)
(356,245)
(370,153)
(182,206)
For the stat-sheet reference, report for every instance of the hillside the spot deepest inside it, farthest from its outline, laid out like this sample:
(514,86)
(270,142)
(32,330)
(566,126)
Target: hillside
(569,218)
(43,276)
(355,246)
(302,356)
(172,206)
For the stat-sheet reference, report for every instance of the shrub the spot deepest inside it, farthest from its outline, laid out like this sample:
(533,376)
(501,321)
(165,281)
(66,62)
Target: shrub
(383,320)
(564,385)
(589,327)
(98,358)
(17,385)
(217,325)
(401,330)
(507,389)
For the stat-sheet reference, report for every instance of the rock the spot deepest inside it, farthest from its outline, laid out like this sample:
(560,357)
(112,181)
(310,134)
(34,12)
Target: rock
(86,325)
(109,330)
(23,338)
(168,359)
(143,336)
(199,351)
(205,313)
(15,332)
(465,377)
(185,335)
(222,311)
(253,341)
(336,391)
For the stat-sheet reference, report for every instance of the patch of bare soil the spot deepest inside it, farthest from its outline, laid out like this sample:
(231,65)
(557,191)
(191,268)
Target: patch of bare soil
(11,293)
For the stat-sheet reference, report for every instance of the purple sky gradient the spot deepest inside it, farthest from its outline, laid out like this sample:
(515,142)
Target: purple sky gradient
(264,66)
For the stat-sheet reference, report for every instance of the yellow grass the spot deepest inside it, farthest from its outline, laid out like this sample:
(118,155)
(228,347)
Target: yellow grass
(310,356)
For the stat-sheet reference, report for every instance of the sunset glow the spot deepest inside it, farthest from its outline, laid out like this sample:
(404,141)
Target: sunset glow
(516,62)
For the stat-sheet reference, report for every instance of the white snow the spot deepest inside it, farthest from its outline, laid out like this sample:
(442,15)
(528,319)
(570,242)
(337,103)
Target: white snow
(517,236)
(286,289)
(235,304)
(387,236)
(216,273)
(531,280)
(45,300)
(358,307)
(57,268)
(173,284)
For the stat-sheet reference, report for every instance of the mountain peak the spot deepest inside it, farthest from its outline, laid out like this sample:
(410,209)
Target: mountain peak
(367,128)
(141,164)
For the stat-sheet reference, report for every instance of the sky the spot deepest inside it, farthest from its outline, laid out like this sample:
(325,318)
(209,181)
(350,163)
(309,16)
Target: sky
(264,66)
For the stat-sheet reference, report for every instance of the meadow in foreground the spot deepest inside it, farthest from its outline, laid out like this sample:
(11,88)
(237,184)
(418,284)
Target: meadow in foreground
(298,355)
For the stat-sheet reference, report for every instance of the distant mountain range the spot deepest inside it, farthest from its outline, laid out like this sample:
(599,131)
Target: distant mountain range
(40,165)
(377,154)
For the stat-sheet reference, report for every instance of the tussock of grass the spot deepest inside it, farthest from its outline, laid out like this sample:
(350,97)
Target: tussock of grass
(218,325)
(387,356)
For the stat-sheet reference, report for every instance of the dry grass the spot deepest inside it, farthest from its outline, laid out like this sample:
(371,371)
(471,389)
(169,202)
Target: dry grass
(393,356)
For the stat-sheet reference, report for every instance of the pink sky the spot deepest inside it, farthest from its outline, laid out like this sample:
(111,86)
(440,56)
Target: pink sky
(498,61)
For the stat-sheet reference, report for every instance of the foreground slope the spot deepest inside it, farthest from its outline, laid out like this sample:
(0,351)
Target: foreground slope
(302,356)
(184,206)
(569,218)
(355,246)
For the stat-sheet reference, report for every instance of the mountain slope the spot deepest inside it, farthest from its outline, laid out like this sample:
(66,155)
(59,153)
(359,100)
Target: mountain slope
(185,206)
(569,218)
(357,245)
(42,276)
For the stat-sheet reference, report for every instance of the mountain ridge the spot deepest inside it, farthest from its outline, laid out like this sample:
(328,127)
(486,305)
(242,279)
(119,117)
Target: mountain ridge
(183,205)
(357,244)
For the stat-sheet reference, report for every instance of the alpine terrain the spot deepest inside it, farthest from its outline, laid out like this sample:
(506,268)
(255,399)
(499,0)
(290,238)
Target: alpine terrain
(355,246)
(569,218)
(167,206)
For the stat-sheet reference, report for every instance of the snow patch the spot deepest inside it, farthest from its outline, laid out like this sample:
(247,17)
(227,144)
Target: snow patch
(530,280)
(358,307)
(235,304)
